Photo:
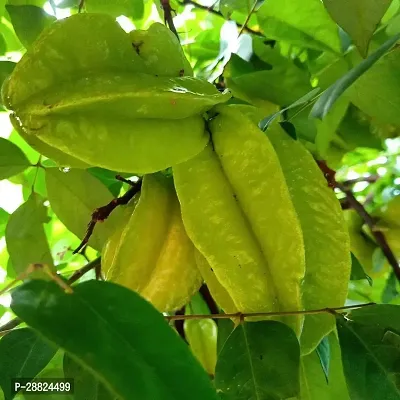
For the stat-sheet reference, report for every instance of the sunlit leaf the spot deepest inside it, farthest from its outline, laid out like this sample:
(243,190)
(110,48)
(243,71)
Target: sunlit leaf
(330,96)
(304,23)
(74,196)
(12,159)
(25,237)
(358,19)
(130,8)
(28,22)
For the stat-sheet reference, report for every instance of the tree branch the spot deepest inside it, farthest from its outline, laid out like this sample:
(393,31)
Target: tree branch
(242,316)
(378,235)
(363,213)
(102,213)
(168,19)
(212,11)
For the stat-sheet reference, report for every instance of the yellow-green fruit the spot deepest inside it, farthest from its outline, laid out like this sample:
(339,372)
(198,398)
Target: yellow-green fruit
(361,245)
(150,252)
(326,240)
(248,232)
(218,292)
(202,338)
(61,158)
(161,51)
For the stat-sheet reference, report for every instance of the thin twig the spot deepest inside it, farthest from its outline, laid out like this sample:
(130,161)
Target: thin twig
(10,325)
(370,179)
(378,235)
(212,11)
(168,19)
(363,213)
(102,213)
(244,26)
(241,316)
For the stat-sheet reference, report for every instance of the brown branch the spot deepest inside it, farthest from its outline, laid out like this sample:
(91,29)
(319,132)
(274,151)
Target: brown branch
(242,316)
(212,11)
(179,324)
(378,235)
(205,293)
(244,26)
(95,264)
(363,213)
(168,19)
(102,213)
(370,179)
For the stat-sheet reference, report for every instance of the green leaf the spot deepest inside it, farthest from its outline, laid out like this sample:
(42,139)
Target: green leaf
(130,8)
(390,291)
(283,83)
(25,237)
(108,178)
(357,271)
(358,19)
(122,338)
(86,386)
(4,215)
(12,159)
(313,382)
(260,360)
(23,354)
(375,92)
(74,196)
(6,67)
(264,123)
(370,355)
(54,369)
(329,97)
(28,22)
(225,328)
(324,354)
(304,23)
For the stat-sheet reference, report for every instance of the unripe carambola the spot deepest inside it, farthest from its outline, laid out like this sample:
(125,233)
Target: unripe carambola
(161,51)
(237,210)
(150,252)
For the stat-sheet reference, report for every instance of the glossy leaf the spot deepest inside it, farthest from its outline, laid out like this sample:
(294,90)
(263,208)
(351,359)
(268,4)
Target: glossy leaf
(74,196)
(305,23)
(331,95)
(86,386)
(25,236)
(23,354)
(358,19)
(28,22)
(12,159)
(124,337)
(260,360)
(369,339)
